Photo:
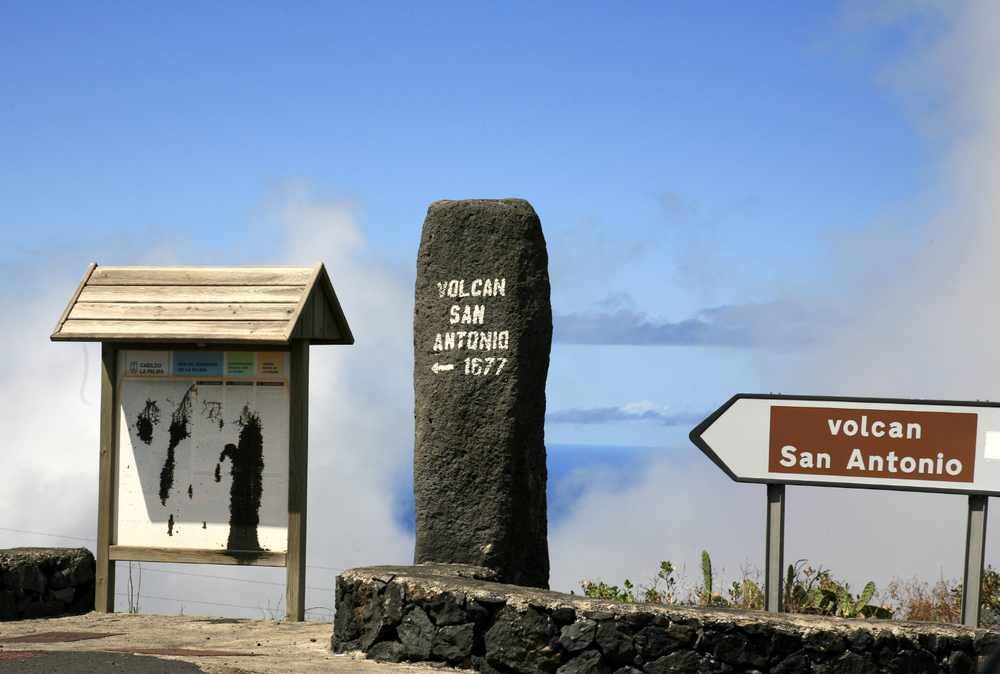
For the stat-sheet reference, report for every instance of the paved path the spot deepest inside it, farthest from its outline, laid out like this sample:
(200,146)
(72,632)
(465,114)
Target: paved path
(122,642)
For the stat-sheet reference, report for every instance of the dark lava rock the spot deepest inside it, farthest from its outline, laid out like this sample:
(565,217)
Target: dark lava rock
(454,642)
(615,641)
(682,662)
(416,632)
(482,331)
(578,636)
(587,662)
(386,651)
(523,642)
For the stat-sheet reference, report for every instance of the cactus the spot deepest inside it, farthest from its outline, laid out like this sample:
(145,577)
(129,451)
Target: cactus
(706,569)
(867,593)
(752,595)
(710,598)
(819,593)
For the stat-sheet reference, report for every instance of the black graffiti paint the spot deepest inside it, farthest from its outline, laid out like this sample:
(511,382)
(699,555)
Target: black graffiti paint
(180,423)
(147,419)
(218,473)
(170,525)
(190,492)
(247,470)
(212,411)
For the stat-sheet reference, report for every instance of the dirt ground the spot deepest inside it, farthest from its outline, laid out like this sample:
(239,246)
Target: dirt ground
(216,645)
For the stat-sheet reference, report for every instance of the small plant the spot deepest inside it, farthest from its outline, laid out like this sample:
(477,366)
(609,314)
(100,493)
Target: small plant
(134,589)
(990,597)
(269,613)
(809,590)
(747,595)
(706,596)
(598,590)
(663,589)
(806,590)
(654,594)
(839,601)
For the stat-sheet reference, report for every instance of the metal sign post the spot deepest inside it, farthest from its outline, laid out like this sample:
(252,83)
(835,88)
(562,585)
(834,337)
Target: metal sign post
(775,560)
(975,551)
(910,445)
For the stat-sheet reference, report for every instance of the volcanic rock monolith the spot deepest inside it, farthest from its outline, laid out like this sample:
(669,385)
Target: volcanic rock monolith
(482,331)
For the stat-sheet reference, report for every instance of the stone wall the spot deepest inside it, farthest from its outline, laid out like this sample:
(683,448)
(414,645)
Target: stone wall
(455,615)
(44,582)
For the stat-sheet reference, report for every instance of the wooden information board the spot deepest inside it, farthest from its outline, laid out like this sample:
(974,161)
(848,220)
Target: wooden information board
(204,412)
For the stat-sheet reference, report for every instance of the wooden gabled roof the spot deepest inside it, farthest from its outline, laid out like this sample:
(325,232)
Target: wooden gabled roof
(262,305)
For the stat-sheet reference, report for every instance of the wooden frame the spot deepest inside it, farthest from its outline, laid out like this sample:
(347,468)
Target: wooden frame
(298,455)
(205,309)
(298,461)
(104,598)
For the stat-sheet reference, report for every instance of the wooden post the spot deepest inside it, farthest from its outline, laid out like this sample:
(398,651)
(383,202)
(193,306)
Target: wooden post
(104,598)
(775,547)
(298,459)
(975,550)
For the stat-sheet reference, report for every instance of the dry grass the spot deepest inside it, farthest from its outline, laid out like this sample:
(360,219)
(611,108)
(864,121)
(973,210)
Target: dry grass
(919,600)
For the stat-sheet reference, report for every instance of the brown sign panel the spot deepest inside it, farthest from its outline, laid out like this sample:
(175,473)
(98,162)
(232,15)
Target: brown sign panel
(873,444)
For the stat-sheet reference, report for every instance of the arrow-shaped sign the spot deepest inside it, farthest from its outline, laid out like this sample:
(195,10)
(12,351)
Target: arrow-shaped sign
(435,368)
(916,445)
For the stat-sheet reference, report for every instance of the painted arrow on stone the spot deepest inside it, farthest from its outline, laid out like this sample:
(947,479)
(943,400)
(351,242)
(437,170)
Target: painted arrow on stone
(442,368)
(914,445)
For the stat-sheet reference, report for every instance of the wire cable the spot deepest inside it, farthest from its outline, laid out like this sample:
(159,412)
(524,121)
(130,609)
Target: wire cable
(39,533)
(238,580)
(94,540)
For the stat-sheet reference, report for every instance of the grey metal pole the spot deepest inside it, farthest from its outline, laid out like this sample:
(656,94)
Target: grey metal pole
(975,550)
(775,547)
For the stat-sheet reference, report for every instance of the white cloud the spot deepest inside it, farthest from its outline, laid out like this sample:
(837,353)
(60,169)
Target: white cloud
(909,311)
(630,517)
(781,325)
(624,526)
(645,406)
(361,407)
(922,323)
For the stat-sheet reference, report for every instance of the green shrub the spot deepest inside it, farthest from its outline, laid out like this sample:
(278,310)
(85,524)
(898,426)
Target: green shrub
(809,590)
(806,590)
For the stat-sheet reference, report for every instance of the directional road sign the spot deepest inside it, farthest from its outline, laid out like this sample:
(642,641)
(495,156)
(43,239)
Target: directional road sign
(914,445)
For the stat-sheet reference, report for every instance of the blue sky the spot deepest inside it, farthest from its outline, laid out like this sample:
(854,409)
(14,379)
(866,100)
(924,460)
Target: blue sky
(736,197)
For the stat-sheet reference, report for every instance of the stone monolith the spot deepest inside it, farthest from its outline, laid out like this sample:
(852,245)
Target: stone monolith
(482,331)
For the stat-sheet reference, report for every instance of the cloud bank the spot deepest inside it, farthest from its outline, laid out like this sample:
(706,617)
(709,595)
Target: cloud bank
(908,311)
(361,408)
(923,323)
(644,411)
(780,325)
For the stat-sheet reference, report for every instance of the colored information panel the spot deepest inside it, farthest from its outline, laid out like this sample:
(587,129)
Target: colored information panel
(203,450)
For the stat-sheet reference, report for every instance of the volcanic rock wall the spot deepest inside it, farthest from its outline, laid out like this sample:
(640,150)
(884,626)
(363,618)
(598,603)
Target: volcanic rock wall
(44,582)
(452,614)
